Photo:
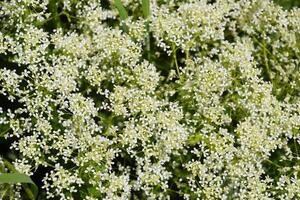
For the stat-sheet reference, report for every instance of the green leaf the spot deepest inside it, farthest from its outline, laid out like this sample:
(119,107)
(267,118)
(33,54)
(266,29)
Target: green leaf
(193,140)
(123,14)
(196,138)
(146,8)
(13,178)
(16,177)
(121,9)
(92,191)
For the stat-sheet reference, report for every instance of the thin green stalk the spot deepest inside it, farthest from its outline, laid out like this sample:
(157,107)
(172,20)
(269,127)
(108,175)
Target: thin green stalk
(53,7)
(147,39)
(263,46)
(174,191)
(296,144)
(266,61)
(187,54)
(146,13)
(271,162)
(5,191)
(5,131)
(174,50)
(265,55)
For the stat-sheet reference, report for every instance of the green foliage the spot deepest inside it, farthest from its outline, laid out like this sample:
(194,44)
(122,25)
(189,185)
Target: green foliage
(288,4)
(12,178)
(125,99)
(122,11)
(146,8)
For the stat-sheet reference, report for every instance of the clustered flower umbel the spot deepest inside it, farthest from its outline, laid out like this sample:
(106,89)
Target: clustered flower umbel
(108,124)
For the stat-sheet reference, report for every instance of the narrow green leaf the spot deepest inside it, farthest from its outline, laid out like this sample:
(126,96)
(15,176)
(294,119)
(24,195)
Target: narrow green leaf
(17,177)
(12,178)
(121,9)
(146,8)
(123,14)
(146,13)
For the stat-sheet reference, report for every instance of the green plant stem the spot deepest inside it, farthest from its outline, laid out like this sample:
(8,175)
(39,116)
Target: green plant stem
(174,191)
(5,190)
(265,55)
(146,13)
(174,50)
(262,45)
(147,38)
(266,61)
(5,131)
(271,162)
(53,7)
(187,54)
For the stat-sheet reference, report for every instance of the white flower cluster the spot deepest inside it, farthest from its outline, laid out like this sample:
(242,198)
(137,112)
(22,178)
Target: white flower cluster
(207,108)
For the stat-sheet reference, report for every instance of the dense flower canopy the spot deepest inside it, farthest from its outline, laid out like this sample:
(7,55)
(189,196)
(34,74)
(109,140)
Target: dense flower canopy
(194,99)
